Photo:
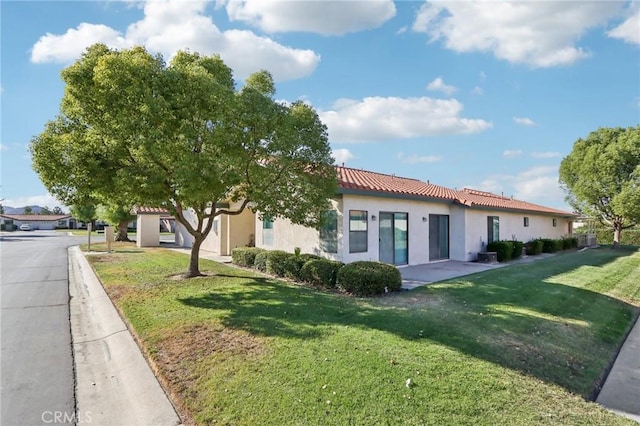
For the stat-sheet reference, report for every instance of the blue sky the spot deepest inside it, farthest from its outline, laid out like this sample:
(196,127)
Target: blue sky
(486,95)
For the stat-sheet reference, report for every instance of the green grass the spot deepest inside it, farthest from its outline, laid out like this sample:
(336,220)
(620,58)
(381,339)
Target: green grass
(524,344)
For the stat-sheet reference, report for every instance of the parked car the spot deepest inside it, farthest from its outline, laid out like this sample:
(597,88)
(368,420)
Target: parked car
(25,227)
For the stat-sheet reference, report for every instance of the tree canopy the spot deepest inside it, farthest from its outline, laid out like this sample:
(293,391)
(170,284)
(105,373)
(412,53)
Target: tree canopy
(601,176)
(181,136)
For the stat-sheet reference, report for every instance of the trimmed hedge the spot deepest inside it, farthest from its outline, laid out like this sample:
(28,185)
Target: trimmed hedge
(365,278)
(534,247)
(550,245)
(245,256)
(517,249)
(260,261)
(504,249)
(569,243)
(276,262)
(294,263)
(321,272)
(628,237)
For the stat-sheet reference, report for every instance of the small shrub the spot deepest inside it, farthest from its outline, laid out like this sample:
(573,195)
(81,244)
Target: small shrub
(364,278)
(534,247)
(569,243)
(294,263)
(276,260)
(245,256)
(549,245)
(260,261)
(504,249)
(517,249)
(321,272)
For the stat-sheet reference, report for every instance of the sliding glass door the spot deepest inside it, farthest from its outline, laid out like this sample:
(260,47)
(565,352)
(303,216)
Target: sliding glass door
(438,236)
(394,238)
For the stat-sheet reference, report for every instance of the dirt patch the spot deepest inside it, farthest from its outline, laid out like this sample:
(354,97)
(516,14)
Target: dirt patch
(117,292)
(178,355)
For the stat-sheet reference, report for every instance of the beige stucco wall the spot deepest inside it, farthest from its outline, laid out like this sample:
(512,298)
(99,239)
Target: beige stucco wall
(148,230)
(227,232)
(287,236)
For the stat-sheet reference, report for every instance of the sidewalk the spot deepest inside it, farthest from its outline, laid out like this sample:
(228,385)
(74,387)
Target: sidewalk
(621,390)
(114,383)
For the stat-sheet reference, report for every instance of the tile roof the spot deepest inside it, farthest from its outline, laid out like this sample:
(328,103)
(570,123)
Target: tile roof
(366,181)
(473,197)
(150,210)
(370,181)
(36,217)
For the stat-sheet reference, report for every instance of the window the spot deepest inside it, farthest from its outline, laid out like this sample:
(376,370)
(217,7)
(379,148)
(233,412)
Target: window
(555,222)
(358,231)
(329,232)
(215,224)
(267,231)
(493,229)
(526,222)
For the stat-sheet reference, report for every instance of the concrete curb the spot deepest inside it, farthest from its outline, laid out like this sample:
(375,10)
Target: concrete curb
(114,383)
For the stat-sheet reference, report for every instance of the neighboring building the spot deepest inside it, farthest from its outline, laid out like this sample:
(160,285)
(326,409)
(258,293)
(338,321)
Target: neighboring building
(408,222)
(392,219)
(38,221)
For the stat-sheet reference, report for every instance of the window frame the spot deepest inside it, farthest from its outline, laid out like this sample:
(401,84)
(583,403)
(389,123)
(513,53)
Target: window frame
(526,221)
(328,232)
(362,217)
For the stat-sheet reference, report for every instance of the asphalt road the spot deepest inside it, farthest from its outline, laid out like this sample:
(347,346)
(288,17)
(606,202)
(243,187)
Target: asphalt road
(36,363)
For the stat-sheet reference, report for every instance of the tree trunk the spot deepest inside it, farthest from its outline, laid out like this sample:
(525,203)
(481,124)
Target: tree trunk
(617,229)
(121,235)
(194,261)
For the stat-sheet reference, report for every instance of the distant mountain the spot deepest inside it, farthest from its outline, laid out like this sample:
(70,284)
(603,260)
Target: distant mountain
(20,210)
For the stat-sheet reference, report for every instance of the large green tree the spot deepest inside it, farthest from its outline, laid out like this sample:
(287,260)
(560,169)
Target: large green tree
(181,136)
(118,216)
(601,176)
(85,212)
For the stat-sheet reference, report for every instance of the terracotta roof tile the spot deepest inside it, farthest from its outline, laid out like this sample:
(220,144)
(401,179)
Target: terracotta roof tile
(150,210)
(367,181)
(377,182)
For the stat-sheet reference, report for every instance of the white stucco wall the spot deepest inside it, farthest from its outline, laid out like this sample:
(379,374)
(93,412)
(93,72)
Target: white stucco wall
(511,226)
(148,230)
(418,230)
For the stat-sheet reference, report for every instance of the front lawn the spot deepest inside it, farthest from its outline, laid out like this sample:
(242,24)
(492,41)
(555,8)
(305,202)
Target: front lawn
(524,344)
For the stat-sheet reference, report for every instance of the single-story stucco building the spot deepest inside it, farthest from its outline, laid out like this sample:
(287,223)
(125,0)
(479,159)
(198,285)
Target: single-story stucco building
(397,220)
(38,221)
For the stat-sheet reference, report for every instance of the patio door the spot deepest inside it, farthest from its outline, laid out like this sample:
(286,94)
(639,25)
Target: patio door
(438,236)
(393,241)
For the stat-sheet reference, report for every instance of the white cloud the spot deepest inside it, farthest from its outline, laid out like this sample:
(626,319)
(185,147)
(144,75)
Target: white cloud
(540,34)
(174,25)
(379,119)
(35,200)
(3,148)
(524,121)
(416,159)
(439,85)
(68,46)
(537,185)
(321,17)
(402,30)
(548,154)
(512,153)
(629,30)
(342,155)
(477,90)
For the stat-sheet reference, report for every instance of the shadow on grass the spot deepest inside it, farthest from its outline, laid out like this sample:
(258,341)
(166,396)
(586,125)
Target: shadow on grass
(511,316)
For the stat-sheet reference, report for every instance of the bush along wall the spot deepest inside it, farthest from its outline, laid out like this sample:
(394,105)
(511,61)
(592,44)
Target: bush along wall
(365,278)
(504,249)
(533,247)
(321,272)
(245,256)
